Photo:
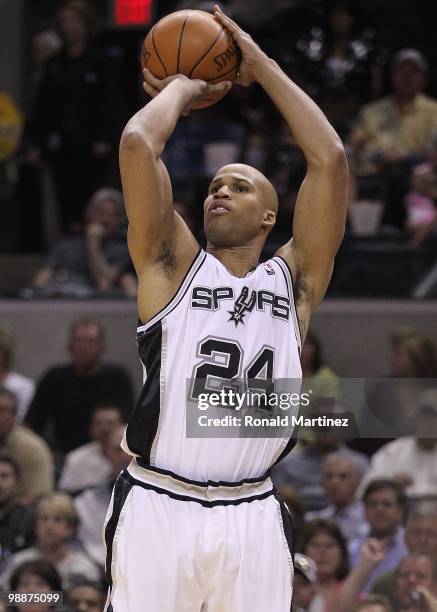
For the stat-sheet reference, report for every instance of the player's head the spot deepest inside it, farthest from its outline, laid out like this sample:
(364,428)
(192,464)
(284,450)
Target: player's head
(240,208)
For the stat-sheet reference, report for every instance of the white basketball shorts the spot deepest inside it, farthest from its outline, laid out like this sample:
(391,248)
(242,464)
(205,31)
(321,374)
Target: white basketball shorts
(174,545)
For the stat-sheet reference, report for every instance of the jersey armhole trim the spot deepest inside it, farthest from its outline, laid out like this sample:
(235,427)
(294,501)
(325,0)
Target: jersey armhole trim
(196,264)
(285,268)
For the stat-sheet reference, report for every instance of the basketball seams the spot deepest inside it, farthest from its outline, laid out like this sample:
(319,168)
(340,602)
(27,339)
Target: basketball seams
(180,42)
(156,50)
(220,76)
(217,38)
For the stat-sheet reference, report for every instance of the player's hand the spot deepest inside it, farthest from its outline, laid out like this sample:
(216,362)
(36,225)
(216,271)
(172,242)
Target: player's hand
(252,55)
(198,89)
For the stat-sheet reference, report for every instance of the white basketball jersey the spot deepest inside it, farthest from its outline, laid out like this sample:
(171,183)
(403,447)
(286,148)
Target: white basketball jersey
(218,328)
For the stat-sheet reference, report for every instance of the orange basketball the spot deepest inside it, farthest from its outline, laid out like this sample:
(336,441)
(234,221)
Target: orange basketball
(192,43)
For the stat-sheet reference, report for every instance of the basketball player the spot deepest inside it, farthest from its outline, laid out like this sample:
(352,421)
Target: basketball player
(194,523)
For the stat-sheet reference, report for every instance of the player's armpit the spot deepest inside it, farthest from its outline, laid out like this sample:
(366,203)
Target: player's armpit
(318,227)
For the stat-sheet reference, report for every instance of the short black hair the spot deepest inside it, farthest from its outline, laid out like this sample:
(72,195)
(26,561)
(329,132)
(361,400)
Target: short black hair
(386,483)
(39,567)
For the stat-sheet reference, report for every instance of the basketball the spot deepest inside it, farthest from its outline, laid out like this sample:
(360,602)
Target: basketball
(192,43)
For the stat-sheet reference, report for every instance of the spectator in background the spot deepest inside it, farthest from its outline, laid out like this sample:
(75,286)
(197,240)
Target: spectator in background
(339,64)
(384,506)
(66,394)
(336,587)
(37,576)
(302,469)
(16,519)
(393,399)
(89,464)
(414,576)
(305,598)
(27,449)
(391,135)
(82,264)
(22,387)
(45,45)
(374,603)
(341,477)
(420,538)
(56,522)
(85,596)
(318,376)
(76,114)
(92,504)
(412,460)
(421,201)
(413,354)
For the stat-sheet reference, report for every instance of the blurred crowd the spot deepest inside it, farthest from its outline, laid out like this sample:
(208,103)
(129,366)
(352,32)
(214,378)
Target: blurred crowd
(58,155)
(365,510)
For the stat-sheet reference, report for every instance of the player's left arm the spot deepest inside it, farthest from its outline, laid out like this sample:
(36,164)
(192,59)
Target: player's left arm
(320,211)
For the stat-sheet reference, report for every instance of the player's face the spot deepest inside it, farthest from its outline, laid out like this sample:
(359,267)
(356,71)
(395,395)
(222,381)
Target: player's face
(235,208)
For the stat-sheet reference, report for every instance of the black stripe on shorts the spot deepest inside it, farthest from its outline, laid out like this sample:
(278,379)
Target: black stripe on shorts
(186,498)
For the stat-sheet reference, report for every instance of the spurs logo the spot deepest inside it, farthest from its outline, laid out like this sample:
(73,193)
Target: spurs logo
(242,306)
(206,298)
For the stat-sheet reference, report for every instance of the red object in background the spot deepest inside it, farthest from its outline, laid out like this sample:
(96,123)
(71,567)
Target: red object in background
(132,12)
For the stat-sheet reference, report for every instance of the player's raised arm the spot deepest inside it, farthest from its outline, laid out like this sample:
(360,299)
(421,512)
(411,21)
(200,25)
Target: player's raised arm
(156,233)
(320,212)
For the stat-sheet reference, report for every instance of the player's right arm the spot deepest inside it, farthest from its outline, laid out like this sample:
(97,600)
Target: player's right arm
(160,243)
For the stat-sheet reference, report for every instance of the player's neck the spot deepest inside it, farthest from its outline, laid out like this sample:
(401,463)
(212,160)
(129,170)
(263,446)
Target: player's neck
(238,260)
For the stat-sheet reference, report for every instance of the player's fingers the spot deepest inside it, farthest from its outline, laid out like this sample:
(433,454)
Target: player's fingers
(151,80)
(152,91)
(220,87)
(233,27)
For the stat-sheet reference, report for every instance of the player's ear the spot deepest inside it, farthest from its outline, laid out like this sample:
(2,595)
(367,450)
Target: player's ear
(269,219)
